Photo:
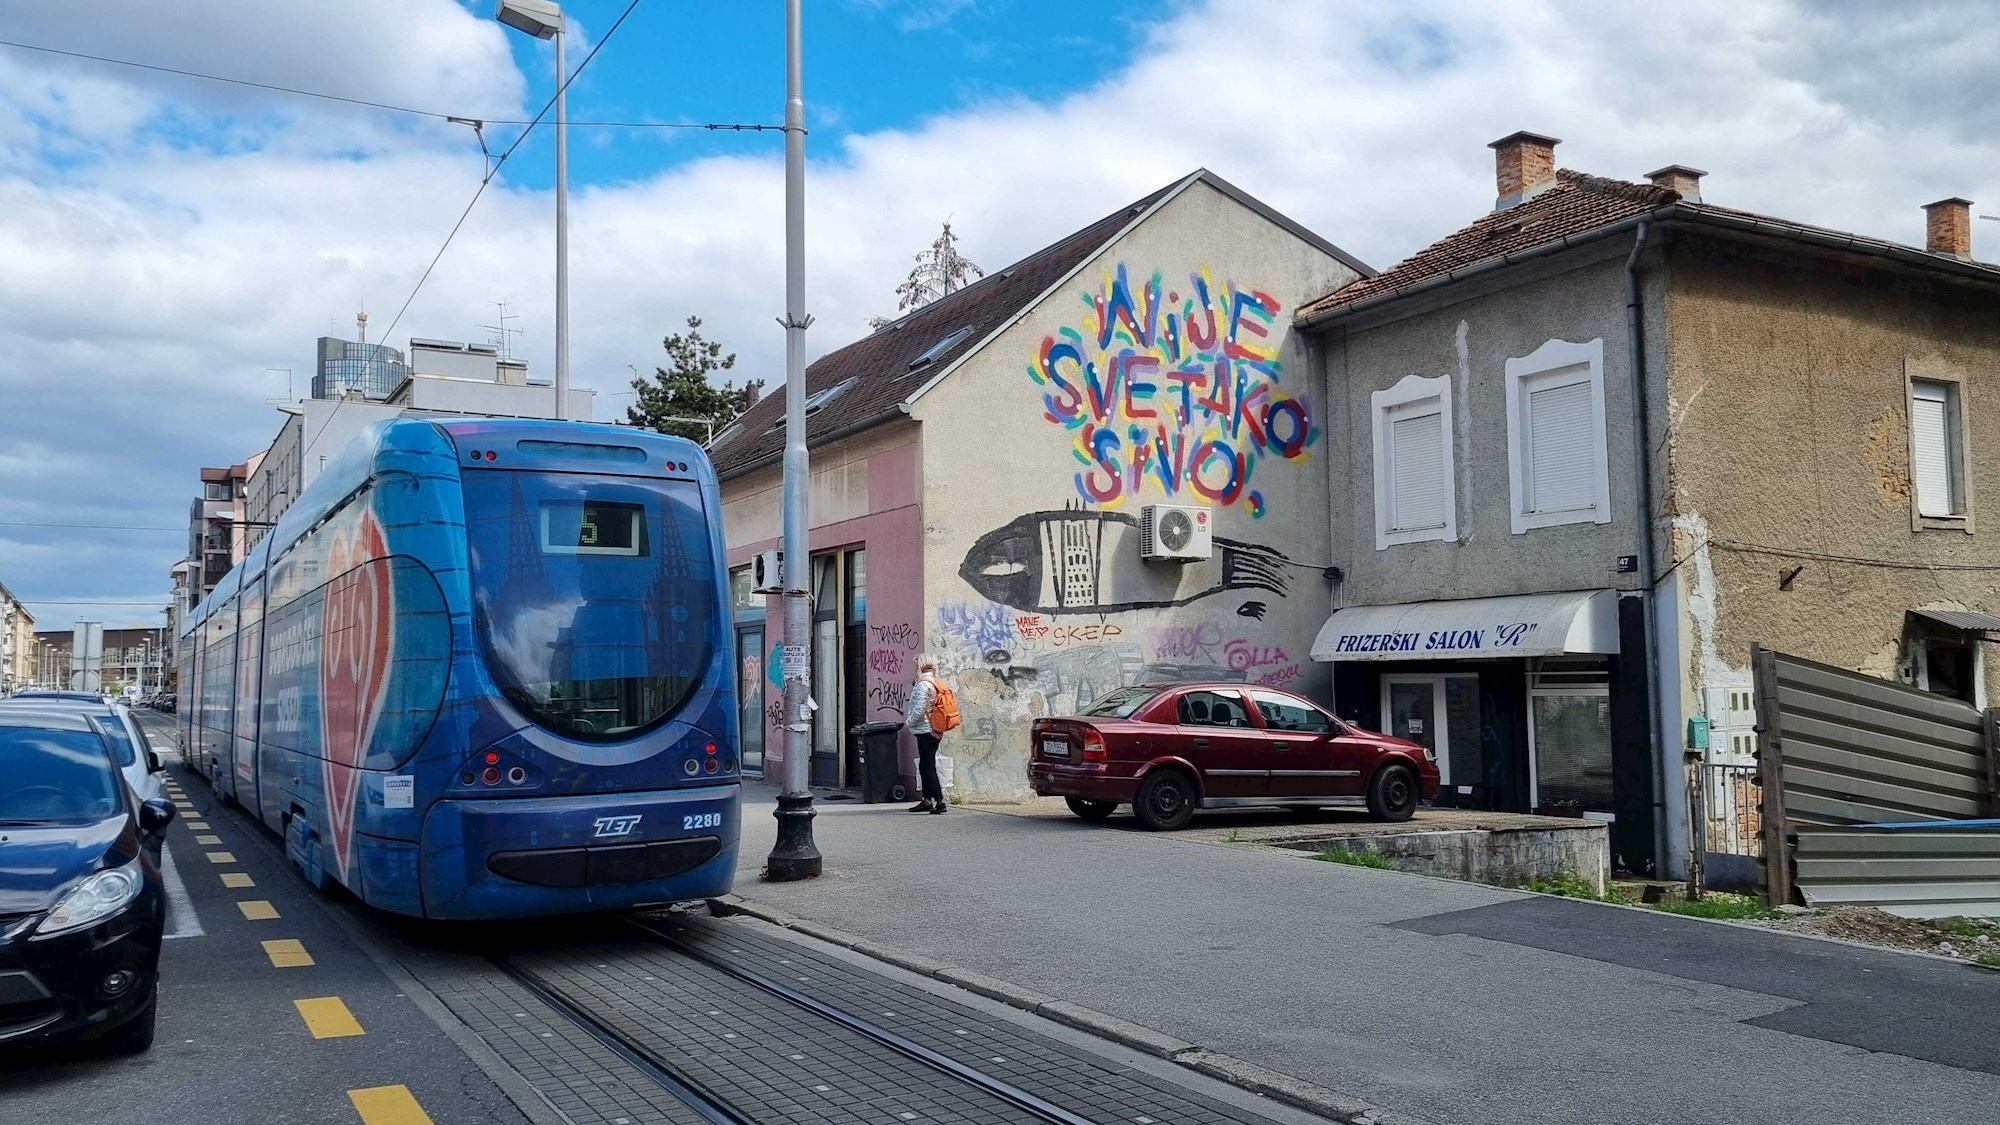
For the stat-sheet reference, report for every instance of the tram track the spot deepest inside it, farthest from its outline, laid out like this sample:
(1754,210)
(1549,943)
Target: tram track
(687,1084)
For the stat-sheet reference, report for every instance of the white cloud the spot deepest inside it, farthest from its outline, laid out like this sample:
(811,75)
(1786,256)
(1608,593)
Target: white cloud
(162,243)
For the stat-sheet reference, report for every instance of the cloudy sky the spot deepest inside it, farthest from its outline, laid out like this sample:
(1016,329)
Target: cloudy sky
(165,242)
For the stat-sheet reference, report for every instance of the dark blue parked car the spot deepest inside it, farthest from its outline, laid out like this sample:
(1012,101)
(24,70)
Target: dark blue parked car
(82,908)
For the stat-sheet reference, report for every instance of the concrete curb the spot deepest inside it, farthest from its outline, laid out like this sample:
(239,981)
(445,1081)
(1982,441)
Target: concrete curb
(1331,1104)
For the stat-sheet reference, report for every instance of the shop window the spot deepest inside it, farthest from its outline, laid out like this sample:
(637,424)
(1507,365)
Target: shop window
(1558,468)
(1936,449)
(1415,494)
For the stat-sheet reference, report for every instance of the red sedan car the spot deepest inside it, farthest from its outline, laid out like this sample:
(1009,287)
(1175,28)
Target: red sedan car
(1168,750)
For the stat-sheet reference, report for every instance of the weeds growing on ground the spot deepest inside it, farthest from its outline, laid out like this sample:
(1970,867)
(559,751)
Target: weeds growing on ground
(1335,853)
(1716,905)
(1990,960)
(1564,883)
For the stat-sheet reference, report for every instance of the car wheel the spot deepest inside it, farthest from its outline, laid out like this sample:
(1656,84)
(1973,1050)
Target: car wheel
(1392,795)
(1089,809)
(1165,801)
(136,1035)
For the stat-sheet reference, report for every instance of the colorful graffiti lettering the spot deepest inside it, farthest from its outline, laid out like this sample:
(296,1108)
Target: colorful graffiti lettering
(1172,388)
(1031,627)
(1278,677)
(978,627)
(889,695)
(1185,642)
(1242,655)
(888,661)
(1083,634)
(903,636)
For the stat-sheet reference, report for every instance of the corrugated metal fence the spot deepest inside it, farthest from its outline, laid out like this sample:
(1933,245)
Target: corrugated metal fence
(1923,870)
(1839,748)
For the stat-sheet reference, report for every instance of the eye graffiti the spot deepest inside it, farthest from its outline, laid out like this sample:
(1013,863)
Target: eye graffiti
(1174,389)
(1060,563)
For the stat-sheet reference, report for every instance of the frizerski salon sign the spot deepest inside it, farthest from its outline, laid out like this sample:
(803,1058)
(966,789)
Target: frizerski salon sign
(1501,638)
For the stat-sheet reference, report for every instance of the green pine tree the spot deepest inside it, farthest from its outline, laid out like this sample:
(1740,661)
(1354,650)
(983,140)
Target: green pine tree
(681,398)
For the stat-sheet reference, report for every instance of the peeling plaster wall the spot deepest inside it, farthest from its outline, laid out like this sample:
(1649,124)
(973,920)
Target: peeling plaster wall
(1036,600)
(1788,382)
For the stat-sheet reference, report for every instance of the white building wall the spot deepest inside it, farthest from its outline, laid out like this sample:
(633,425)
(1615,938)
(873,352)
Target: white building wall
(1036,598)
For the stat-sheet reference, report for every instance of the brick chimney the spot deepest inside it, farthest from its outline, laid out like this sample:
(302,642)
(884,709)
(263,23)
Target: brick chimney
(1948,227)
(752,391)
(1524,166)
(1679,178)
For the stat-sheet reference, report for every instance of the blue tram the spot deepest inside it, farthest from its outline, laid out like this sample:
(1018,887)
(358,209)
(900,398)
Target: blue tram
(482,669)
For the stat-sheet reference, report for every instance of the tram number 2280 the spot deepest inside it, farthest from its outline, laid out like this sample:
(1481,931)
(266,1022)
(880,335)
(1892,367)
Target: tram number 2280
(701,820)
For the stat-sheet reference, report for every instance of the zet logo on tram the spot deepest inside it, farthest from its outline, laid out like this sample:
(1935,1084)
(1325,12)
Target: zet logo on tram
(607,826)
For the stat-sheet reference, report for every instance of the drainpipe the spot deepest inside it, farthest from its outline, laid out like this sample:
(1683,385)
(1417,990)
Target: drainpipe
(1635,332)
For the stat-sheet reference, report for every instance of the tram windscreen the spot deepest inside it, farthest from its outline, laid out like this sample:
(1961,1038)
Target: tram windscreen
(594,597)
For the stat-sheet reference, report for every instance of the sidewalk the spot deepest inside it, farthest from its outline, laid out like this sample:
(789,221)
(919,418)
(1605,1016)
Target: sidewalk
(1446,1000)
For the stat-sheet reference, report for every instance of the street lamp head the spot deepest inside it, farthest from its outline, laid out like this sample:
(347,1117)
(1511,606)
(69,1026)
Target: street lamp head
(539,18)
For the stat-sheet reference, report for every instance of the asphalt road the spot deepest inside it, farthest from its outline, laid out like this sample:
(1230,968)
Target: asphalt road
(233,1045)
(1452,1001)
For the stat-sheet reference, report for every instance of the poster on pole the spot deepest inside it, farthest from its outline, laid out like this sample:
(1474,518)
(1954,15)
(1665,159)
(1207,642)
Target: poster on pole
(792,661)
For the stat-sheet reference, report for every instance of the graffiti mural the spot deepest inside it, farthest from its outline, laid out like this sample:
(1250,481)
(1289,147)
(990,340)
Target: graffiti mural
(1050,563)
(1173,389)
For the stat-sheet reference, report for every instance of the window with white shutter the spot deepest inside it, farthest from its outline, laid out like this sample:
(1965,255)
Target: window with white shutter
(1557,457)
(1562,441)
(1414,496)
(1934,470)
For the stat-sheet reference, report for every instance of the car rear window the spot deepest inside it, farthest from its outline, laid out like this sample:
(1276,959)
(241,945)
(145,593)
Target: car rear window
(55,775)
(1120,704)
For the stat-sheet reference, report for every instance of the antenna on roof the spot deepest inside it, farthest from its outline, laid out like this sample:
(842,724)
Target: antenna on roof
(361,323)
(499,335)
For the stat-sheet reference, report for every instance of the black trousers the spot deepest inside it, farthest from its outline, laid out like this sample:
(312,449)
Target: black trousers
(927,748)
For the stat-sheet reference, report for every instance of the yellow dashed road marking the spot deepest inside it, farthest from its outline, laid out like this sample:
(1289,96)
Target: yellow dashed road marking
(198,826)
(221,857)
(237,879)
(287,953)
(257,909)
(327,1018)
(208,839)
(388,1105)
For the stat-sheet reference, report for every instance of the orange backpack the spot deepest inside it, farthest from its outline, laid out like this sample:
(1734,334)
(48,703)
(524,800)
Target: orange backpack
(944,711)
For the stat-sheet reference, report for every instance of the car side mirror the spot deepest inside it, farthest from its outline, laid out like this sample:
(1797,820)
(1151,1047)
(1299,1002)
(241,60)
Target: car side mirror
(154,764)
(155,815)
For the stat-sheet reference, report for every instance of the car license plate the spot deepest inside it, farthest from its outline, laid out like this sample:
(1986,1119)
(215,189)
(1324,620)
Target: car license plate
(1055,747)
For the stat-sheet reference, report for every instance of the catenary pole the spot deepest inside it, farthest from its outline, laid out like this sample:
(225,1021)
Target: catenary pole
(795,856)
(562,227)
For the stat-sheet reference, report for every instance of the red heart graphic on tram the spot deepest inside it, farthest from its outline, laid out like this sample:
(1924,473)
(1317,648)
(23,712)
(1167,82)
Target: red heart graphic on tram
(357,634)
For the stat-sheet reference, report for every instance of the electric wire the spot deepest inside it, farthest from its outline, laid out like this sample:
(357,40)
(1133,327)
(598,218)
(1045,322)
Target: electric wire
(481,190)
(453,117)
(91,526)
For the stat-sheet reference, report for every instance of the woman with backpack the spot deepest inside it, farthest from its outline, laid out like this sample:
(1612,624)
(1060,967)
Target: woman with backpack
(933,711)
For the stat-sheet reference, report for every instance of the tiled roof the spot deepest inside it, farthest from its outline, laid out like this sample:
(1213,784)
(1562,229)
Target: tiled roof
(1577,203)
(879,363)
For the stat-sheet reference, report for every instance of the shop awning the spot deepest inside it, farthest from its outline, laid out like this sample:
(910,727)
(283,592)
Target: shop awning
(1576,621)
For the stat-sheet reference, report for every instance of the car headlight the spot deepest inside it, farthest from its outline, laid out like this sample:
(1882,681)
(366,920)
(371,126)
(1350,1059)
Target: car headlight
(93,900)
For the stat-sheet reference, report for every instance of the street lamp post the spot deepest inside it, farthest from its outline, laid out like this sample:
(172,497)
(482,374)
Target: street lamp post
(795,856)
(543,19)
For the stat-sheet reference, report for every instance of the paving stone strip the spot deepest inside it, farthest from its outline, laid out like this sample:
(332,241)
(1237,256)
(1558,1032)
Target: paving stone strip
(1080,1081)
(763,1056)
(1262,1081)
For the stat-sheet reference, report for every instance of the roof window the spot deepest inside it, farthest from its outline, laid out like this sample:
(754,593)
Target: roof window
(825,395)
(941,347)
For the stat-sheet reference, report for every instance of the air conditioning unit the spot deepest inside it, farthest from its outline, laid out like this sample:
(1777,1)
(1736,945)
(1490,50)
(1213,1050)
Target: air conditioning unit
(1173,534)
(767,573)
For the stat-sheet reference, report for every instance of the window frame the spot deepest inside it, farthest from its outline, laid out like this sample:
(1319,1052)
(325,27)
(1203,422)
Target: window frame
(1412,390)
(1957,446)
(1583,362)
